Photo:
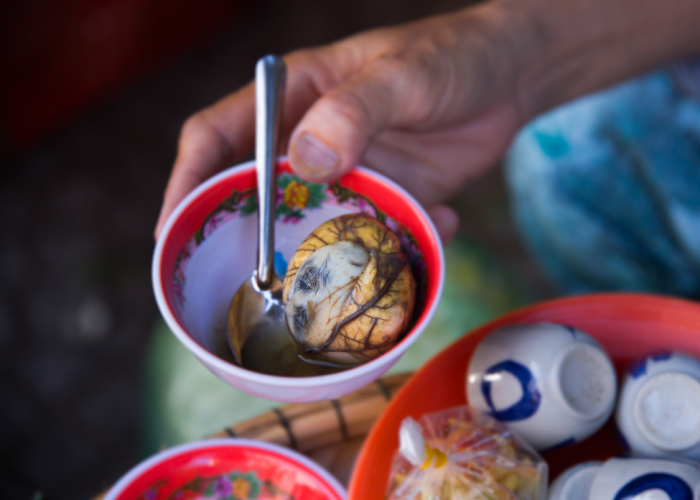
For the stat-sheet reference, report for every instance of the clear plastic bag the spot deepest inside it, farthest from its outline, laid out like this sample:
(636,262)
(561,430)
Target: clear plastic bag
(464,454)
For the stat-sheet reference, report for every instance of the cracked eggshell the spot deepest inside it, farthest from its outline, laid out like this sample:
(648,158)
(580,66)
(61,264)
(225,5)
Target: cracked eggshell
(349,292)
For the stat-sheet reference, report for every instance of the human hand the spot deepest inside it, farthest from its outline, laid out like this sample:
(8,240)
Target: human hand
(421,103)
(435,103)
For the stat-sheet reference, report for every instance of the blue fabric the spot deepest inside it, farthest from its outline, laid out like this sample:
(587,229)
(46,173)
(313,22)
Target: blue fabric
(606,190)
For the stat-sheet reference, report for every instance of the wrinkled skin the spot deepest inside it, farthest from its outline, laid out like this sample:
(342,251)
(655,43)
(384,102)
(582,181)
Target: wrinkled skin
(349,292)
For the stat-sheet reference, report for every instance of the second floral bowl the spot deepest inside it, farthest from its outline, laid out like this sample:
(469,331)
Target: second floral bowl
(208,246)
(225,469)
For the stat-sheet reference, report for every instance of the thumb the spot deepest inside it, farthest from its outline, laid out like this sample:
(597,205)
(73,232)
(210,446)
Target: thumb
(336,131)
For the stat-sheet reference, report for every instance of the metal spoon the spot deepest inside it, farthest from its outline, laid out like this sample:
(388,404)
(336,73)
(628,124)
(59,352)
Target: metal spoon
(257,331)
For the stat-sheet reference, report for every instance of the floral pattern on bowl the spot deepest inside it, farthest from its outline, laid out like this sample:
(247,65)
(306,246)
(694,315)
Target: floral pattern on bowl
(227,469)
(230,486)
(295,198)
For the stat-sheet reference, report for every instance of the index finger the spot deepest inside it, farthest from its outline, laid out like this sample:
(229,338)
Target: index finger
(210,140)
(224,133)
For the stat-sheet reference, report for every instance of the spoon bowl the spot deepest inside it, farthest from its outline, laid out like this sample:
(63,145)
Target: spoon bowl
(256,322)
(259,338)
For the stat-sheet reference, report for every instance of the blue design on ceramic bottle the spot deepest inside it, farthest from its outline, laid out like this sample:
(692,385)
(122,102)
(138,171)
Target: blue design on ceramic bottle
(662,356)
(639,366)
(529,402)
(563,444)
(571,330)
(673,486)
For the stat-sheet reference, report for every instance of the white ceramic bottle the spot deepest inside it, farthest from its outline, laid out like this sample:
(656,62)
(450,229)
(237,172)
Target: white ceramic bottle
(575,482)
(552,384)
(629,478)
(646,479)
(659,409)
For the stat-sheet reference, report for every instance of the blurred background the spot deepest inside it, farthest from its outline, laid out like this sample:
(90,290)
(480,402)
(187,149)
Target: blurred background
(93,95)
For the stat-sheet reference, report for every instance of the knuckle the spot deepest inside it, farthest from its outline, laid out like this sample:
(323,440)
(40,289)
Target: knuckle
(350,107)
(296,59)
(415,80)
(192,127)
(198,133)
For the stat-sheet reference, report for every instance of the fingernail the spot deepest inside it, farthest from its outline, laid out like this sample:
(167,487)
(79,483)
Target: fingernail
(316,159)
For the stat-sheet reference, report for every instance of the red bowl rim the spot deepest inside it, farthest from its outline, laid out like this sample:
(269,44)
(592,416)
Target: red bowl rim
(388,358)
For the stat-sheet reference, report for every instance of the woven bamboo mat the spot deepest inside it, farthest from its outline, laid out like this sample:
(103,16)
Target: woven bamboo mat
(329,432)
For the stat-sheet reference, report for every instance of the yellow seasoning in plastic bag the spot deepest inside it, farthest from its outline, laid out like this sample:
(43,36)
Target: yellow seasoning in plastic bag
(440,459)
(464,454)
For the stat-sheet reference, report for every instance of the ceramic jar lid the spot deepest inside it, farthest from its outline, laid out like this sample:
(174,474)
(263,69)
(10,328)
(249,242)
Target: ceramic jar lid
(658,413)
(667,411)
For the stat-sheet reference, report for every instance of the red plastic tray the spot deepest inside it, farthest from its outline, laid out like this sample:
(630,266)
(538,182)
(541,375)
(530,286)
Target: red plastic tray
(627,325)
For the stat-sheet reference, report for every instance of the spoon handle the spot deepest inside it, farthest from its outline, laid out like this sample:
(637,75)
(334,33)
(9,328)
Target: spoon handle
(270,79)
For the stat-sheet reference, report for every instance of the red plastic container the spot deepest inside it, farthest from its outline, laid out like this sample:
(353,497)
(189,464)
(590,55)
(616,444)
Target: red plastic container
(627,325)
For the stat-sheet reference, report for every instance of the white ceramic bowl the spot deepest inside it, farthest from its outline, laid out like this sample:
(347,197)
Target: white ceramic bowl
(552,384)
(659,409)
(207,249)
(227,468)
(575,482)
(646,479)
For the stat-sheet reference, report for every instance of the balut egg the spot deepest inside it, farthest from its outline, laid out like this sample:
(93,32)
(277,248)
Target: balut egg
(349,292)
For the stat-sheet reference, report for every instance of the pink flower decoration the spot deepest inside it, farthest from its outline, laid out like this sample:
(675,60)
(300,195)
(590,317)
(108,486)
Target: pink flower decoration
(280,196)
(222,487)
(294,219)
